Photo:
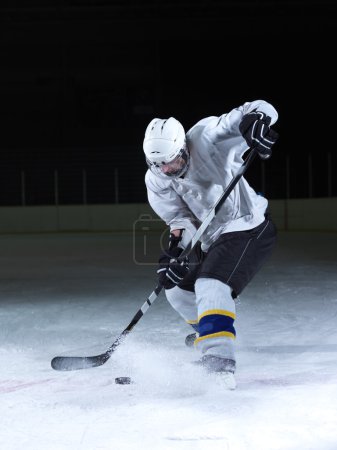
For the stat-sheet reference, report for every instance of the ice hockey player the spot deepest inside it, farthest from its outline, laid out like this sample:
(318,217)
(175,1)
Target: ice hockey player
(187,174)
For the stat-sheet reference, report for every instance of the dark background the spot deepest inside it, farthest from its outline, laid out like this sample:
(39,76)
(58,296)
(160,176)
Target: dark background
(80,80)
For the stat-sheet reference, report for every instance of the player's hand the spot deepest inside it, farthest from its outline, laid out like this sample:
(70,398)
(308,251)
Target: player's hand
(171,271)
(255,128)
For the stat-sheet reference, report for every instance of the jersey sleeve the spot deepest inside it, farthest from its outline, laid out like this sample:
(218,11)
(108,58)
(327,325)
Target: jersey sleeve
(227,125)
(169,206)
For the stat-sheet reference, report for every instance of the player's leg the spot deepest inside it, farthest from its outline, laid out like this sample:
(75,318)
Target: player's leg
(230,264)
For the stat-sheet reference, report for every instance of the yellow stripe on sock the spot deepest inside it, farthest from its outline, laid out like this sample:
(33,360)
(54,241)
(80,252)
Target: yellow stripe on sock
(215,335)
(192,322)
(221,312)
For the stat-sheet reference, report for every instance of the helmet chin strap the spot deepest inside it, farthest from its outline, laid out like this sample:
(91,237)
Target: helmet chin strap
(187,163)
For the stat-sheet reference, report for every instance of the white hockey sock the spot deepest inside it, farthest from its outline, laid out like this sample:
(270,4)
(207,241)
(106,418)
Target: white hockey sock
(216,315)
(184,302)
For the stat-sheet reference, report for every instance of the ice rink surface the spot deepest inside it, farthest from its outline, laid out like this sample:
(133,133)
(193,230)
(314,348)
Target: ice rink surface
(72,294)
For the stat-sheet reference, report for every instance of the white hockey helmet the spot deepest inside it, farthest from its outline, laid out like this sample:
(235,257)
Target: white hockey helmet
(165,148)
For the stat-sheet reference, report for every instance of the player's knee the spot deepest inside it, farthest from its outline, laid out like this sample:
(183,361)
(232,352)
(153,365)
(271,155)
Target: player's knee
(184,302)
(212,293)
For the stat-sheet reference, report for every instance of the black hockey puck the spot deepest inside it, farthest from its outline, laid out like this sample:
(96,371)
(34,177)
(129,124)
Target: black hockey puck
(123,380)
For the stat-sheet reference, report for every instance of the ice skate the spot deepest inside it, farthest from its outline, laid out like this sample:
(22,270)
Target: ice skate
(223,368)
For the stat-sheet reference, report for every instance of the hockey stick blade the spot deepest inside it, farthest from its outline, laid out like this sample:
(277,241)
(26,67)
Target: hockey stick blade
(64,363)
(67,363)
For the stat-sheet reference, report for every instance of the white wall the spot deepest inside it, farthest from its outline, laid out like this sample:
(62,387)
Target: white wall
(307,214)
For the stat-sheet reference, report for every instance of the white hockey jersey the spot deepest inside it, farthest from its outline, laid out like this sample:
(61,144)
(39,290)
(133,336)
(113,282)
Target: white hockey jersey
(216,148)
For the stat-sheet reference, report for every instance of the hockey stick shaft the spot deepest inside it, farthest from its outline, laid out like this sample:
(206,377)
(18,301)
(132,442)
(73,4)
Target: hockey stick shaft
(66,363)
(221,200)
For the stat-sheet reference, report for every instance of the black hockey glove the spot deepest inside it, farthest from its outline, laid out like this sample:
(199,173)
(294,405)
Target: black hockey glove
(170,271)
(255,128)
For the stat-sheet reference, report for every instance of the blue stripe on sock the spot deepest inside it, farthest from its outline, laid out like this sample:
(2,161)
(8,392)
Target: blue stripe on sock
(195,327)
(214,323)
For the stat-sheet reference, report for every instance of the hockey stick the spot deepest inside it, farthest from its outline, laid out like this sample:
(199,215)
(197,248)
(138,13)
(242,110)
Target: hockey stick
(65,363)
